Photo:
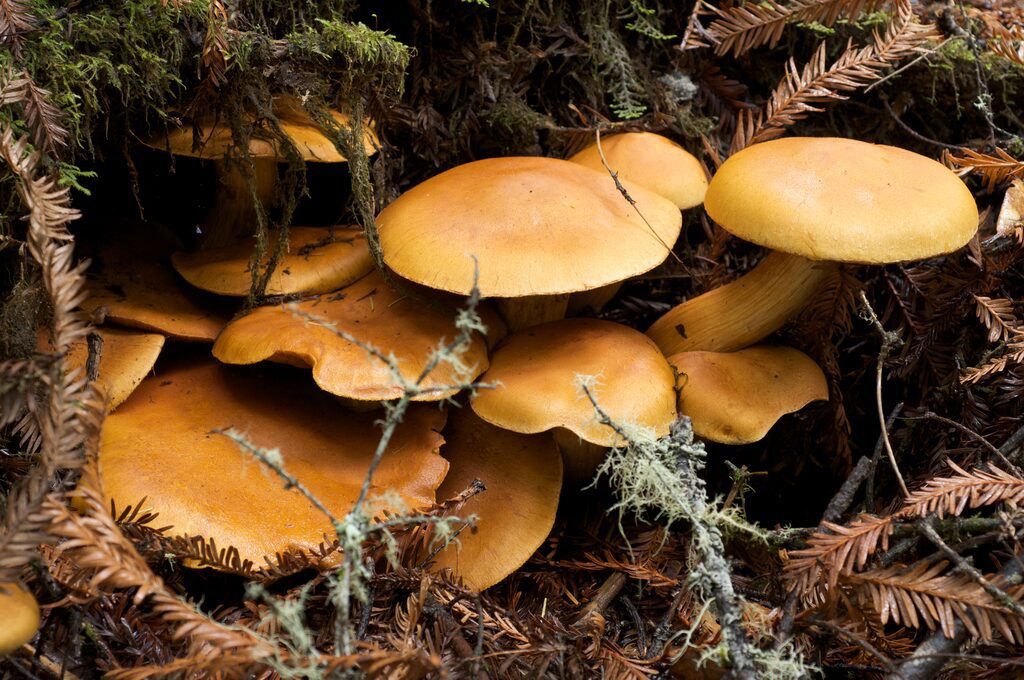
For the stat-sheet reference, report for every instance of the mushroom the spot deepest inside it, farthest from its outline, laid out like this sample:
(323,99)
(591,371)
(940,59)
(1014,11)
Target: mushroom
(126,358)
(319,260)
(651,161)
(146,293)
(539,228)
(371,312)
(160,446)
(736,397)
(233,212)
(523,476)
(538,370)
(827,199)
(20,617)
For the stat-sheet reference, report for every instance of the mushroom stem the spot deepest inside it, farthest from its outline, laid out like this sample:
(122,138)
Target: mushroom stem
(531,310)
(593,300)
(233,214)
(580,458)
(745,311)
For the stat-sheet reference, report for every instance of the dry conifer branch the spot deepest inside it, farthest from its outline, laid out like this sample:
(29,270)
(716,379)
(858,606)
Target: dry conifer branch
(963,566)
(994,169)
(70,413)
(801,92)
(743,27)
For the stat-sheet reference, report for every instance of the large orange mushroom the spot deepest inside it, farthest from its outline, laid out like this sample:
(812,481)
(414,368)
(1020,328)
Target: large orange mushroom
(538,228)
(371,312)
(523,478)
(161,446)
(318,260)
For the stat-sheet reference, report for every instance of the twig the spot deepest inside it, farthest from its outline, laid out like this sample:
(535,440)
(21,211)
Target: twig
(608,591)
(860,642)
(995,592)
(890,340)
(843,499)
(1013,447)
(911,131)
(930,415)
(869,487)
(630,199)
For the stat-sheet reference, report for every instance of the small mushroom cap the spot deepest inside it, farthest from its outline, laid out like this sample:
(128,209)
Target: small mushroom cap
(523,476)
(369,311)
(147,294)
(537,226)
(539,368)
(20,617)
(652,161)
(316,262)
(216,139)
(736,397)
(126,358)
(160,446)
(842,200)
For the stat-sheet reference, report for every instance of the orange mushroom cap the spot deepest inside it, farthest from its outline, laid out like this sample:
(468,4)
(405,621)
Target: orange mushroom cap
(369,311)
(537,226)
(736,397)
(20,617)
(126,357)
(523,476)
(538,373)
(160,446)
(318,261)
(216,138)
(147,294)
(842,200)
(651,161)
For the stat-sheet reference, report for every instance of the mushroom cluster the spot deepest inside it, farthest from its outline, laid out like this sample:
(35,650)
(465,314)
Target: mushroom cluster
(539,239)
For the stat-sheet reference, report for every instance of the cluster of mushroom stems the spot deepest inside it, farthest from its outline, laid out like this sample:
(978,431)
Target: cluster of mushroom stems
(537,238)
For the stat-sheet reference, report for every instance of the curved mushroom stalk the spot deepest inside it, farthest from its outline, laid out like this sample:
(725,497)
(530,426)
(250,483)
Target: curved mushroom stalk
(580,458)
(233,214)
(745,311)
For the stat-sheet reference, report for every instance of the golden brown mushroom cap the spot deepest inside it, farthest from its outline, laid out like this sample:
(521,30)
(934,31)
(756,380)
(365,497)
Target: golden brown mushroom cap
(368,310)
(147,294)
(736,397)
(160,445)
(842,200)
(20,617)
(317,262)
(538,371)
(652,161)
(523,476)
(537,226)
(126,357)
(215,138)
